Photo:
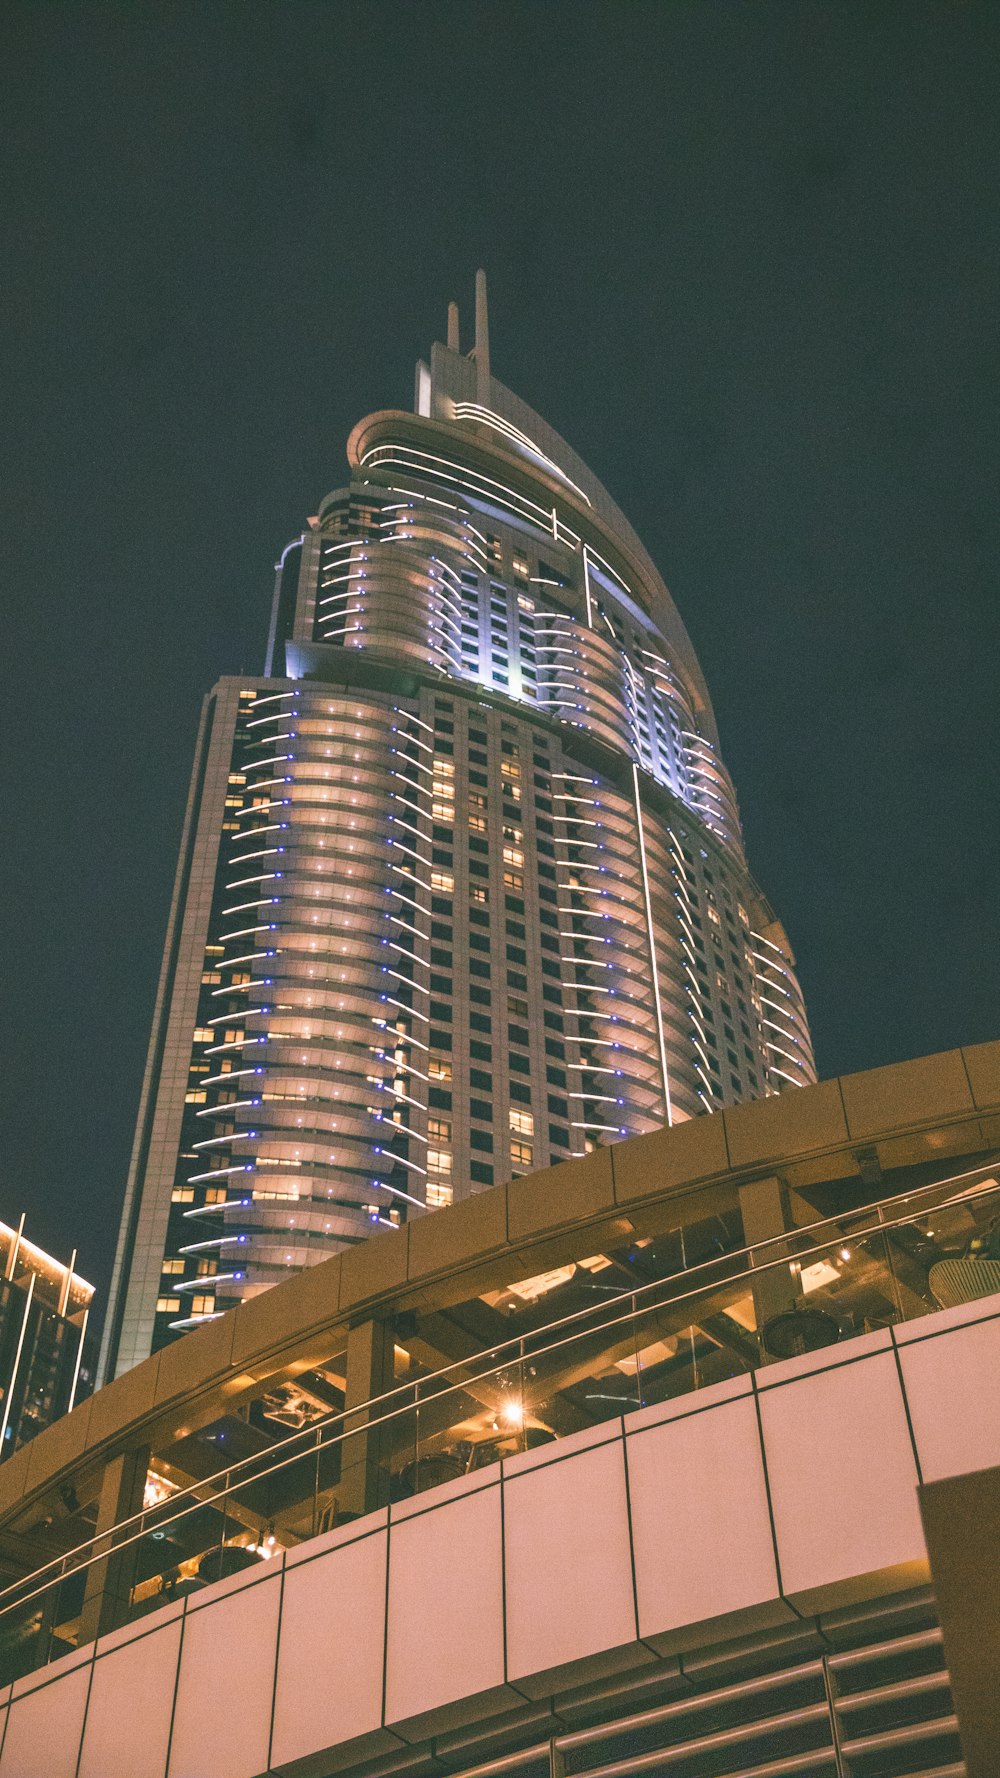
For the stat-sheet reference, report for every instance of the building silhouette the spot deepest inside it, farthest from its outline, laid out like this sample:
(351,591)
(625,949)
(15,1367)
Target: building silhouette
(462,890)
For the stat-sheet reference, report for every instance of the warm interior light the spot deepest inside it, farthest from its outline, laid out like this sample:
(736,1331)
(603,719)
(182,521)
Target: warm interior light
(512,1413)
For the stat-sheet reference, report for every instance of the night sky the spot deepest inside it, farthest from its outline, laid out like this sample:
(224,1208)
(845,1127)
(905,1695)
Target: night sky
(743,256)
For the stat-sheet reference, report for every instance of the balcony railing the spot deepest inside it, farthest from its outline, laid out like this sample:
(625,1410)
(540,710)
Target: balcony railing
(809,1287)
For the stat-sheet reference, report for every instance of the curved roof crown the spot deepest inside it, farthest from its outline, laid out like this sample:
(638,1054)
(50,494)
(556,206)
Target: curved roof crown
(458,392)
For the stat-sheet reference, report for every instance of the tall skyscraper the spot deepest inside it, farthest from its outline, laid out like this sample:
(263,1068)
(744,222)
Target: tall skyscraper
(462,889)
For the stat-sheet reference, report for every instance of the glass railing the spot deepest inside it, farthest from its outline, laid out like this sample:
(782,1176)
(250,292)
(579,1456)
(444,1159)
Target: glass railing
(808,1288)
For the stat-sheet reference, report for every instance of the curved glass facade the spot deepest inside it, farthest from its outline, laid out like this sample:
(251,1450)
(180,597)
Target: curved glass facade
(463,890)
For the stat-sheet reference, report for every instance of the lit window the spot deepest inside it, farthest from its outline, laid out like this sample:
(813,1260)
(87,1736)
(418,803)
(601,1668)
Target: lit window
(439,1194)
(439,1067)
(182,1194)
(512,855)
(513,879)
(443,811)
(479,894)
(173,1267)
(478,823)
(524,603)
(442,879)
(216,1194)
(521,1121)
(521,1153)
(203,1305)
(439,1161)
(167,1305)
(439,1130)
(204,1034)
(195,1098)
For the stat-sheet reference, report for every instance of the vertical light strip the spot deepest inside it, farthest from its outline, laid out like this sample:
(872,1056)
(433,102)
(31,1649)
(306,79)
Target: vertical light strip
(14,1246)
(586,588)
(652,946)
(67,1281)
(17,1361)
(79,1356)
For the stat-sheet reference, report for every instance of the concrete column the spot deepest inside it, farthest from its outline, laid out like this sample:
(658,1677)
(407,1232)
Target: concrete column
(364,1480)
(765,1210)
(109,1581)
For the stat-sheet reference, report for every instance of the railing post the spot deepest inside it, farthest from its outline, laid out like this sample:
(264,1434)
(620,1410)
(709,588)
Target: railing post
(109,1581)
(364,1484)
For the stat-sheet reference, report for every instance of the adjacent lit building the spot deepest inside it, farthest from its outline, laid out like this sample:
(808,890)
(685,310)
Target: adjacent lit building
(462,890)
(44,1311)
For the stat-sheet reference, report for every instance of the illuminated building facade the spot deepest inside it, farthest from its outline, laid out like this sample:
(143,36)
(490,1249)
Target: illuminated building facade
(44,1311)
(462,890)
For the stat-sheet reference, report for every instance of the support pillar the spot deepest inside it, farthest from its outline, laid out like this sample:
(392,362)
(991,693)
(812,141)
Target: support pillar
(364,1480)
(765,1211)
(109,1581)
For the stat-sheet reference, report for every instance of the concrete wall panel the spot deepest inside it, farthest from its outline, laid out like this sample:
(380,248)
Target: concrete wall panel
(952,1387)
(222,1718)
(569,1574)
(842,1474)
(330,1652)
(44,1726)
(700,1521)
(445,1605)
(131,1701)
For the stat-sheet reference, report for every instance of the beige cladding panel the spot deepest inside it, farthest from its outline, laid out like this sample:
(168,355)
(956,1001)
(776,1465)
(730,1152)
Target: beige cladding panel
(445,1569)
(330,1652)
(143,1668)
(222,1716)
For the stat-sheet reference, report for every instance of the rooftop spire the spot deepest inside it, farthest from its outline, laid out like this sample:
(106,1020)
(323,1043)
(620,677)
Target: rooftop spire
(453,345)
(482,342)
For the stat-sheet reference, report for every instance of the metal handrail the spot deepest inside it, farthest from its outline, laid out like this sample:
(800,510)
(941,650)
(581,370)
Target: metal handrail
(311,1438)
